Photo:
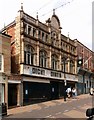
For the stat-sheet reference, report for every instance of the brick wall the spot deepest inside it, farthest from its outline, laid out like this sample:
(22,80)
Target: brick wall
(6,51)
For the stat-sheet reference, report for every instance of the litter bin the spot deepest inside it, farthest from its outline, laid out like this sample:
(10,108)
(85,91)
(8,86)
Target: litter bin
(4,109)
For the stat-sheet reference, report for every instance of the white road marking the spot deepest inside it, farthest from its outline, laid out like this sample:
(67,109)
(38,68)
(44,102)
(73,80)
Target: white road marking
(66,110)
(53,117)
(48,116)
(79,106)
(46,107)
(39,109)
(59,103)
(58,113)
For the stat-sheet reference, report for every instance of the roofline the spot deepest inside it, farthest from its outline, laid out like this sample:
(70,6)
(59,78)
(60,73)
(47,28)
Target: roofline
(83,45)
(5,34)
(10,24)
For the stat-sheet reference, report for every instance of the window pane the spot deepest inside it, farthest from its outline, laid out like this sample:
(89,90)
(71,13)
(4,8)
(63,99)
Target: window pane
(0,62)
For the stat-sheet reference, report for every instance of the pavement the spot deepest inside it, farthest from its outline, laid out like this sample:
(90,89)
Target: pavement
(38,105)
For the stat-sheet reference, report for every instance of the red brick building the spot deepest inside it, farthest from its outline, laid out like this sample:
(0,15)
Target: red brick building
(5,66)
(85,71)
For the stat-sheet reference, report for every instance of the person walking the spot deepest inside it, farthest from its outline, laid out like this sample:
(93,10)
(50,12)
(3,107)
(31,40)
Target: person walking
(74,92)
(91,91)
(68,92)
(65,94)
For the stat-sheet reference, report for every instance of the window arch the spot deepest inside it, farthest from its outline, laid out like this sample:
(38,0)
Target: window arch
(71,66)
(29,55)
(42,58)
(54,62)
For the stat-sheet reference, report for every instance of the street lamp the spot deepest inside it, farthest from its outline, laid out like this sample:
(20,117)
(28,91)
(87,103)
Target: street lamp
(65,82)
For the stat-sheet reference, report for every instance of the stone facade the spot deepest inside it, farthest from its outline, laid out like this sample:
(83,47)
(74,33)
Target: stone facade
(41,55)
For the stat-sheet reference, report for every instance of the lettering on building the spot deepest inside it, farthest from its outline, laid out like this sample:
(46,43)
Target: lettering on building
(38,71)
(55,74)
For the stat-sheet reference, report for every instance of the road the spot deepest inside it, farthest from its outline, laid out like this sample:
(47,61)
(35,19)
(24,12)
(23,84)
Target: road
(72,108)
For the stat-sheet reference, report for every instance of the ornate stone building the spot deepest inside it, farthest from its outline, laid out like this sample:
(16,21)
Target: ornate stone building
(44,61)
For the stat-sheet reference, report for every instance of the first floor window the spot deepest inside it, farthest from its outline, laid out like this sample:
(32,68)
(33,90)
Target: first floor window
(28,55)
(42,59)
(1,62)
(54,62)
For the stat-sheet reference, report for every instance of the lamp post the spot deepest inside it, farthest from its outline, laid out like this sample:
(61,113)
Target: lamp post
(65,83)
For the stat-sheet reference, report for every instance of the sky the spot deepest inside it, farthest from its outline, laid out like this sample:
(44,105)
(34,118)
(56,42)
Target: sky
(75,15)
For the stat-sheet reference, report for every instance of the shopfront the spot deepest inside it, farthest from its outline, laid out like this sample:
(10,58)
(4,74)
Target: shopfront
(85,81)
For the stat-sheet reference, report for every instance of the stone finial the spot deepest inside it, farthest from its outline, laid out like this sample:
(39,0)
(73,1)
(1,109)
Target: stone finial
(21,6)
(68,34)
(53,11)
(37,15)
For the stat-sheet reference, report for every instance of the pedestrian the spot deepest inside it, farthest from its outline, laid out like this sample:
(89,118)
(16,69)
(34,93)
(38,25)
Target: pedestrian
(74,92)
(91,91)
(65,94)
(68,92)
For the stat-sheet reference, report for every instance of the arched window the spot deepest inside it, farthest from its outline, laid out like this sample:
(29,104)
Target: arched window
(54,62)
(64,64)
(71,66)
(29,55)
(42,59)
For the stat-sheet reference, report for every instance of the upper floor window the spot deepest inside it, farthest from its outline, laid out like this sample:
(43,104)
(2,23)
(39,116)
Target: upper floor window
(71,66)
(46,38)
(43,59)
(29,55)
(29,30)
(1,63)
(39,34)
(43,37)
(34,32)
(25,27)
(54,62)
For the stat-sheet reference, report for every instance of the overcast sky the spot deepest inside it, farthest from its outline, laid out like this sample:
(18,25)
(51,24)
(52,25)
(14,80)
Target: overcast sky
(75,15)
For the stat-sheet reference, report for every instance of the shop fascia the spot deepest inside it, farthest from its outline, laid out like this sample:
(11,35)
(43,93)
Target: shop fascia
(47,73)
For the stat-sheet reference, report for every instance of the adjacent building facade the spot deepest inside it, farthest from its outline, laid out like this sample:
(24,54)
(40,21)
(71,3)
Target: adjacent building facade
(86,70)
(43,60)
(5,66)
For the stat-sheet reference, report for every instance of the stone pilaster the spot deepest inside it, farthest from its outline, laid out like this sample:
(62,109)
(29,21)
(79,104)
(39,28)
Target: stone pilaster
(75,67)
(38,53)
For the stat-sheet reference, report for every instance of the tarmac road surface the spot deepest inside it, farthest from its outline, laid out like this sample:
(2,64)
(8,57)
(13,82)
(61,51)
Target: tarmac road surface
(72,108)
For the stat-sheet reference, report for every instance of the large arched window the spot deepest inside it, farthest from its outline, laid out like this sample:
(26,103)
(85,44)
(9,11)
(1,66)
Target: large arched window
(72,66)
(29,55)
(64,64)
(43,59)
(54,62)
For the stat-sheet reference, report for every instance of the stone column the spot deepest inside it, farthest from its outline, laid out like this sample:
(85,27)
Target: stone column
(75,67)
(22,50)
(20,94)
(6,92)
(60,61)
(68,60)
(49,61)
(38,53)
